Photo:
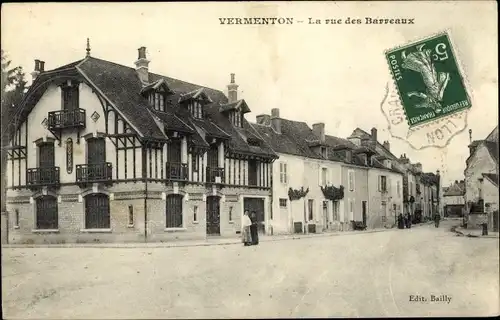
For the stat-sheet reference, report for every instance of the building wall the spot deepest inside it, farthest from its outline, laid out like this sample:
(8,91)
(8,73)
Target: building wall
(71,213)
(382,212)
(480,163)
(307,173)
(353,199)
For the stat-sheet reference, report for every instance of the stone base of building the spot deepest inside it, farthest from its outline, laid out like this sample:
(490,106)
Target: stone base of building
(135,215)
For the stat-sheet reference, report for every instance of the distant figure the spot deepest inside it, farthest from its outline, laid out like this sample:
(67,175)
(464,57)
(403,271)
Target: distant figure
(436,220)
(401,221)
(254,228)
(246,236)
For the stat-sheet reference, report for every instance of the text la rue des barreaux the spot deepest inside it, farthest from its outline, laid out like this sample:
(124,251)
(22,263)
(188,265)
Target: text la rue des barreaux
(315,21)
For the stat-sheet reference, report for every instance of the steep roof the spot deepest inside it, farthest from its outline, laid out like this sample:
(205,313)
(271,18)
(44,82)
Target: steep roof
(492,177)
(454,190)
(122,87)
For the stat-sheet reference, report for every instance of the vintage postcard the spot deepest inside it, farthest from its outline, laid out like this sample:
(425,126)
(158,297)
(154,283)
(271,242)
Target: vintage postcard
(249,160)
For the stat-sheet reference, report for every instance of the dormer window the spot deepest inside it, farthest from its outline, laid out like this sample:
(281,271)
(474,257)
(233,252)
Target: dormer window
(236,118)
(324,152)
(196,109)
(157,100)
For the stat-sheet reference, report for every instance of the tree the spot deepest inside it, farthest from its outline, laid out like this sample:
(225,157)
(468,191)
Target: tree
(13,90)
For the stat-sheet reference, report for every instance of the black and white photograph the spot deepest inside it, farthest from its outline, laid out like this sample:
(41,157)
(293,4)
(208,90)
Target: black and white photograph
(243,160)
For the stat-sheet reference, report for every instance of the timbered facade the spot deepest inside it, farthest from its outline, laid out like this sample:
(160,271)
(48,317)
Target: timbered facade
(104,152)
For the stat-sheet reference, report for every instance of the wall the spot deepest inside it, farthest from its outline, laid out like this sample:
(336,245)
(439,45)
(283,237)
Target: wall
(376,198)
(303,172)
(357,196)
(480,163)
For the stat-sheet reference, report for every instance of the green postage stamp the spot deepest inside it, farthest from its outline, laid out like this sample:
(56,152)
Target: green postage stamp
(428,80)
(426,101)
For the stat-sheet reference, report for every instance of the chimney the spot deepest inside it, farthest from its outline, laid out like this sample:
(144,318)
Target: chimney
(387,146)
(374,134)
(319,130)
(275,120)
(232,90)
(42,66)
(36,72)
(142,66)
(263,119)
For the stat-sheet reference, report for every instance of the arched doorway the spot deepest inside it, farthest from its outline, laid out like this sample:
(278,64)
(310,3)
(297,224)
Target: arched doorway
(213,215)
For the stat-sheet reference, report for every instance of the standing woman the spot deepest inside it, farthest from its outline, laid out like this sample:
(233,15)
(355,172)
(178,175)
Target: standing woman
(246,237)
(254,229)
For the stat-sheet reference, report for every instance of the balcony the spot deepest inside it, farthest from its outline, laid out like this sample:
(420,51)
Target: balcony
(94,173)
(215,175)
(177,171)
(63,119)
(42,177)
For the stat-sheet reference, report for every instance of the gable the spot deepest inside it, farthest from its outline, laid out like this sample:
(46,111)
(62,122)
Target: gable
(481,161)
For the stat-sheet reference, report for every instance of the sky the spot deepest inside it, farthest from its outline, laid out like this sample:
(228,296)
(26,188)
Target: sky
(336,74)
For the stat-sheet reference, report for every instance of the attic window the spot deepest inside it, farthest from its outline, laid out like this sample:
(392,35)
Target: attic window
(196,109)
(324,153)
(157,99)
(236,118)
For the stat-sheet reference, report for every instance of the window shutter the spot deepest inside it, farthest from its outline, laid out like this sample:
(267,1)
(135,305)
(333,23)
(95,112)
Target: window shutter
(379,183)
(320,174)
(389,184)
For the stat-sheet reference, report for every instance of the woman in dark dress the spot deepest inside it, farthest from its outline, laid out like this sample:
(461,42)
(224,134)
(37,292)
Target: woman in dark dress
(400,222)
(253,229)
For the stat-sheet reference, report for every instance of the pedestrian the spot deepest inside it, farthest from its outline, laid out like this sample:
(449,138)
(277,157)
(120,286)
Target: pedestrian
(409,220)
(436,219)
(246,237)
(254,228)
(401,221)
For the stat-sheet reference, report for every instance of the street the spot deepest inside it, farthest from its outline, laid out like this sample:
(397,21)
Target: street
(359,275)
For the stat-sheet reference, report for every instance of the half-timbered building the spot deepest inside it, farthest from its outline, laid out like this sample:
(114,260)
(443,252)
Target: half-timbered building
(106,152)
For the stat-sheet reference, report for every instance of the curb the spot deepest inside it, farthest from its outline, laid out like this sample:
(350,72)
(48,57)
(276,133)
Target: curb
(230,241)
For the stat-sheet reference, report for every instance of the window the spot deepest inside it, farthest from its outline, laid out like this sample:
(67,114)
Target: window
(324,174)
(410,189)
(351,209)
(324,154)
(196,109)
(398,187)
(283,203)
(174,211)
(130,215)
(195,213)
(283,175)
(351,180)
(195,162)
(236,118)
(310,204)
(16,222)
(97,211)
(157,99)
(382,184)
(46,213)
(252,172)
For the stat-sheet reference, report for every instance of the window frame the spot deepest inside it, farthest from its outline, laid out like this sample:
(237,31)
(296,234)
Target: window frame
(351,182)
(283,172)
(174,215)
(310,209)
(281,201)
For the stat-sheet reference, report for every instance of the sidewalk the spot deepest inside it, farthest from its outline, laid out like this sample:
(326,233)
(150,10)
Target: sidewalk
(475,233)
(197,243)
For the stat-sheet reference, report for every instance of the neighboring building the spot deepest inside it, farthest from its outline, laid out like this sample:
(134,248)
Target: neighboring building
(105,152)
(454,199)
(385,180)
(481,181)
(304,164)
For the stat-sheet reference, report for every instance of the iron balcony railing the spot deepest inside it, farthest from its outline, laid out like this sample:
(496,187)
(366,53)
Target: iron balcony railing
(94,172)
(62,119)
(177,171)
(44,176)
(215,175)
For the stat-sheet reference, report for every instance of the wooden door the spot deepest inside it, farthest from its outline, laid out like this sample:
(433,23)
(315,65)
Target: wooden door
(213,215)
(96,151)
(97,211)
(46,154)
(325,215)
(256,205)
(174,151)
